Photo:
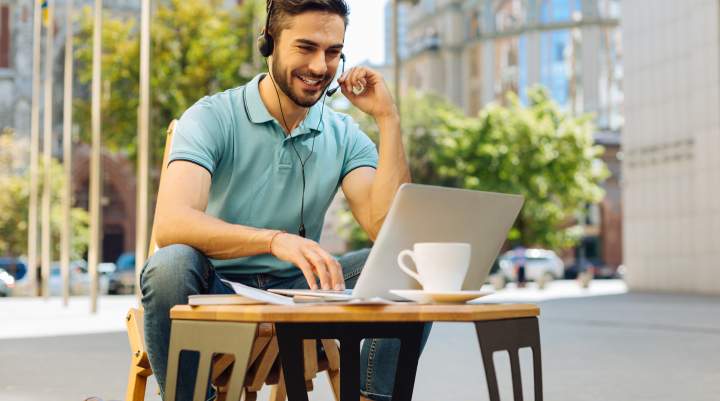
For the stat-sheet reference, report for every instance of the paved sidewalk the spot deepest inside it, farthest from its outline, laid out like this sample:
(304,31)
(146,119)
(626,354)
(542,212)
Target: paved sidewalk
(35,317)
(597,347)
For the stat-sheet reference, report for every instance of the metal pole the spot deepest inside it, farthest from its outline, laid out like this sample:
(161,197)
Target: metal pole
(141,225)
(396,54)
(94,253)
(47,153)
(34,147)
(65,234)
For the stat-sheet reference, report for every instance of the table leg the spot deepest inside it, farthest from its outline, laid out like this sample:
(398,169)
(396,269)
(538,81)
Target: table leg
(349,368)
(510,335)
(290,341)
(209,338)
(410,344)
(290,336)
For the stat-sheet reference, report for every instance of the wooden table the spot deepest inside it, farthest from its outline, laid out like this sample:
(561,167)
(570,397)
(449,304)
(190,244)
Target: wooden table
(208,329)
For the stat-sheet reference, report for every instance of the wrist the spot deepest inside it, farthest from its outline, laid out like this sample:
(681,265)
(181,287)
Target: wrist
(390,115)
(273,235)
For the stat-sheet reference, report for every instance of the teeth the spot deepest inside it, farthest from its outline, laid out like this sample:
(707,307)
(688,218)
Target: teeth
(309,81)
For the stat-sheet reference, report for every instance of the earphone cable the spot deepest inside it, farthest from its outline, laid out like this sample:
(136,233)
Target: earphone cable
(301,228)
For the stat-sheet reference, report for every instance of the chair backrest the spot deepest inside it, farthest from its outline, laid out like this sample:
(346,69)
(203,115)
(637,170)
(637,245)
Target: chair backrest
(135,317)
(166,154)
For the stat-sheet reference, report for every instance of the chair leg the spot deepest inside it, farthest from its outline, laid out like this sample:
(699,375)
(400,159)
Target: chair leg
(137,383)
(310,359)
(332,353)
(334,377)
(278,392)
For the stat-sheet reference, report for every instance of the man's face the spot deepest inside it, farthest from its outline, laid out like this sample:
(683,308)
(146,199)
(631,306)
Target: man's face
(307,55)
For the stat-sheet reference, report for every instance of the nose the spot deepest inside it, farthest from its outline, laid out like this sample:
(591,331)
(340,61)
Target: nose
(318,65)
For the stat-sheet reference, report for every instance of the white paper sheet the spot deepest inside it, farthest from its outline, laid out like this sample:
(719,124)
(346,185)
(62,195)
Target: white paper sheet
(259,295)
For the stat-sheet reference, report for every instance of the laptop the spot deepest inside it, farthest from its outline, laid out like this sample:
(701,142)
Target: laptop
(424,213)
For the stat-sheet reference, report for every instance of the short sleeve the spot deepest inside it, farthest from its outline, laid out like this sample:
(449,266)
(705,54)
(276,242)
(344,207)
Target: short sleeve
(199,136)
(360,150)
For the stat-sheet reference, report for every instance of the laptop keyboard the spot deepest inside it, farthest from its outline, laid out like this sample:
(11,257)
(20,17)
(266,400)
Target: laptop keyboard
(341,292)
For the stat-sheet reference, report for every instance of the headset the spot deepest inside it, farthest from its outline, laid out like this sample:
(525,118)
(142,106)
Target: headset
(265,45)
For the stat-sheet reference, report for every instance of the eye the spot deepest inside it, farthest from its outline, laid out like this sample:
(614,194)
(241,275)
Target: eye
(305,49)
(333,53)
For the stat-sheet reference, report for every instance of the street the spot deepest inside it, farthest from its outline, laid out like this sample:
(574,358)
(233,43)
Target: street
(603,347)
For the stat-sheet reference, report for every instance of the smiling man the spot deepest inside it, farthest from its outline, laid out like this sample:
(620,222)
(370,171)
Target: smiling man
(253,170)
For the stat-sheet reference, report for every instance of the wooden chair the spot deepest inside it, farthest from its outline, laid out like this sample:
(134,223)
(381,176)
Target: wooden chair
(263,365)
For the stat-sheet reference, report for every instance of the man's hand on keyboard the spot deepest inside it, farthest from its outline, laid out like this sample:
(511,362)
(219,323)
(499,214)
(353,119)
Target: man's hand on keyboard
(311,259)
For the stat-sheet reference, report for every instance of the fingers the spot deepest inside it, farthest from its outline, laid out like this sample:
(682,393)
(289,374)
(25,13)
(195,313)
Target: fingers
(314,262)
(321,269)
(336,275)
(307,270)
(355,78)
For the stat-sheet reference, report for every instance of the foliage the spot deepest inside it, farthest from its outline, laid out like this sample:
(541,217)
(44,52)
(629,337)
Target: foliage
(14,204)
(537,150)
(197,48)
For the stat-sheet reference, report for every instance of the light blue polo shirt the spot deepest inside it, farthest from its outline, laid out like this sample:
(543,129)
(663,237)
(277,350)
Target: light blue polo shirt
(256,176)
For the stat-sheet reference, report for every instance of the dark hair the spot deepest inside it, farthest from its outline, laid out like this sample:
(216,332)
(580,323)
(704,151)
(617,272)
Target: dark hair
(282,9)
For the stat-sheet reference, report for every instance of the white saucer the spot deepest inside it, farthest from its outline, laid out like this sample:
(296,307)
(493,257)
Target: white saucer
(450,297)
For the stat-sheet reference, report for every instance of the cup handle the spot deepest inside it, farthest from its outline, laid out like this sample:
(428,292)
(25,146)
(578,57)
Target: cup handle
(404,268)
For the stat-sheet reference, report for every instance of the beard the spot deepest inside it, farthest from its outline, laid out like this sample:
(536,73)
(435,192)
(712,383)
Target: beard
(300,96)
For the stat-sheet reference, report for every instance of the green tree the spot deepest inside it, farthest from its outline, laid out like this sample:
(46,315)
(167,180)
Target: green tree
(537,151)
(424,117)
(14,202)
(198,48)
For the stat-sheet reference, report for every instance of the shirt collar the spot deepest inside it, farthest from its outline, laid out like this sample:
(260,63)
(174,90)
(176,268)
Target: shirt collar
(258,113)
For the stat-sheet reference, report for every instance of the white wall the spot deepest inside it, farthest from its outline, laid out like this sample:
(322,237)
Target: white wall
(671,145)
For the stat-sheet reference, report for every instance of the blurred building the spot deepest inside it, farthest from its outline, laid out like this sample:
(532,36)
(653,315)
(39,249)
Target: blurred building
(16,66)
(475,51)
(672,172)
(402,31)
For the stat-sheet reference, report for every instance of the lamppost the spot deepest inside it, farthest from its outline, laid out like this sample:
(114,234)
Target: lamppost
(141,225)
(94,253)
(67,154)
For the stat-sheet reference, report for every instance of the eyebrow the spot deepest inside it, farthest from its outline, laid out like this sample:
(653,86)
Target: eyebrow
(311,43)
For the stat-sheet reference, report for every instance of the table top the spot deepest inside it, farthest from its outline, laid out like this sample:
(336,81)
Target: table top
(354,313)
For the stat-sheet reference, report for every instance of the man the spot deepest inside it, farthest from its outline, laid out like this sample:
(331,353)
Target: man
(251,166)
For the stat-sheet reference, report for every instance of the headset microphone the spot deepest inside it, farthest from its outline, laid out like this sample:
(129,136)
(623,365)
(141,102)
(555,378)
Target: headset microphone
(332,91)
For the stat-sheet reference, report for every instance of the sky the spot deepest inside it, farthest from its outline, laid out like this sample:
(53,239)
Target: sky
(364,39)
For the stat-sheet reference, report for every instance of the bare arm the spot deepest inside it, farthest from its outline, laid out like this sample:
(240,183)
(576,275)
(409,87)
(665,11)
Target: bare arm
(181,219)
(370,193)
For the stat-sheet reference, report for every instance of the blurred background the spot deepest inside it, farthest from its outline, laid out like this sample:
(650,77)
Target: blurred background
(604,114)
(479,83)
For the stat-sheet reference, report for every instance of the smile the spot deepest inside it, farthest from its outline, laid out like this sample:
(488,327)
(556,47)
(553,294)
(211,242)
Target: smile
(310,83)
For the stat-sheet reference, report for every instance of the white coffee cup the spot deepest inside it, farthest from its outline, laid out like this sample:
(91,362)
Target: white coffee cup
(441,266)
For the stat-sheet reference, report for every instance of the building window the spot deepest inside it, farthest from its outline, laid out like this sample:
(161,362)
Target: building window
(510,14)
(4,37)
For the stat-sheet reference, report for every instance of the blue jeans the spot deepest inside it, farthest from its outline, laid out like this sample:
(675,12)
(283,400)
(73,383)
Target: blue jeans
(177,271)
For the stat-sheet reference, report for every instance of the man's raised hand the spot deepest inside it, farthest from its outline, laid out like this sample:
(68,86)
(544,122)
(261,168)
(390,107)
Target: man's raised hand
(374,99)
